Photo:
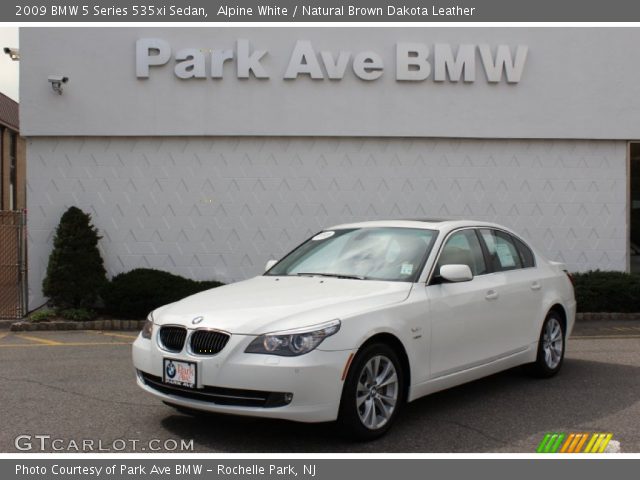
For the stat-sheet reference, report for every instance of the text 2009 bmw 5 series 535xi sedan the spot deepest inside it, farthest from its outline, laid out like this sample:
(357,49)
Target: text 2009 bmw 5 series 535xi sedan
(358,320)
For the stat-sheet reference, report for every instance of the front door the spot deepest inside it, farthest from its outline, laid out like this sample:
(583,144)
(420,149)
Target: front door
(465,316)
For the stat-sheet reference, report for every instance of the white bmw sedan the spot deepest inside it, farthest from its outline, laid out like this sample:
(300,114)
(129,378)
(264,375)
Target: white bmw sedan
(358,320)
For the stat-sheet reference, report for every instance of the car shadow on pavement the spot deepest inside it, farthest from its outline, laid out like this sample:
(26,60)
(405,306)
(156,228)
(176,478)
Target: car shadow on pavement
(491,414)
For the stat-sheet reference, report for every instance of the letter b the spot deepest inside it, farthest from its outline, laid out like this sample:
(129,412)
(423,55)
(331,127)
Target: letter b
(411,62)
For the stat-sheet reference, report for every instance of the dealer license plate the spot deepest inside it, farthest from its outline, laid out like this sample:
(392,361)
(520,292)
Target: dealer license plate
(177,372)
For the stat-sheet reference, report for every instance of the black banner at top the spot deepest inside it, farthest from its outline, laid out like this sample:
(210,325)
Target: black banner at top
(170,11)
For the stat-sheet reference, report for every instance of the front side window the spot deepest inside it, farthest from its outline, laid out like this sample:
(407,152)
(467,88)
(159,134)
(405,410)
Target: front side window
(385,253)
(503,253)
(463,248)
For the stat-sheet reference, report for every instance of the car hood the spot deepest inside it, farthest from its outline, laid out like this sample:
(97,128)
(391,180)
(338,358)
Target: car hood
(267,303)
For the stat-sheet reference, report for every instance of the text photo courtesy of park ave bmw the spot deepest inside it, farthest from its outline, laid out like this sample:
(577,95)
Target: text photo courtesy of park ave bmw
(333,239)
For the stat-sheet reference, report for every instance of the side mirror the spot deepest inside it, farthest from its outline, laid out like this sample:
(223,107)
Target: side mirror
(270,264)
(456,273)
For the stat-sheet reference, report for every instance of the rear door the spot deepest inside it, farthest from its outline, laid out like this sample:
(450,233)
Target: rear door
(518,285)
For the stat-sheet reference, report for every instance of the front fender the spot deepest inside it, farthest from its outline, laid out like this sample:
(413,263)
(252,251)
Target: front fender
(407,322)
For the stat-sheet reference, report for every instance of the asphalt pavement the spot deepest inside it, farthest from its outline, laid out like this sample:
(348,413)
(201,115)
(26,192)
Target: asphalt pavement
(75,391)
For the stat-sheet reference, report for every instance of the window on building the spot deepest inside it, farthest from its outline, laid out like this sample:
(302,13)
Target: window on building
(13,171)
(2,173)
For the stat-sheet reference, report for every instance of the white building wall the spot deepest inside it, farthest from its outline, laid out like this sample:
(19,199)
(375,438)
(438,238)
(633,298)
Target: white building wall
(576,83)
(206,207)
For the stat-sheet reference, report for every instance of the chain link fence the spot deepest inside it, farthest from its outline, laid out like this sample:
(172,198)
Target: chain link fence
(13,264)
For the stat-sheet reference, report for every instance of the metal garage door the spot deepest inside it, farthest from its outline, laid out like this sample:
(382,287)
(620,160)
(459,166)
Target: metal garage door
(13,292)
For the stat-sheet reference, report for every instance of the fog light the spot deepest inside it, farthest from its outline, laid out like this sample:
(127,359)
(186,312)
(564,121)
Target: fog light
(278,399)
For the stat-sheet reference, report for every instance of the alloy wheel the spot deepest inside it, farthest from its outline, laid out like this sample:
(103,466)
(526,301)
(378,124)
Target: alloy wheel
(377,392)
(552,343)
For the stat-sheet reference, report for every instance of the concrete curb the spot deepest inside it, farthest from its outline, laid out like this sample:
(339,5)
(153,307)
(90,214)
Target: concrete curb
(27,326)
(606,316)
(6,324)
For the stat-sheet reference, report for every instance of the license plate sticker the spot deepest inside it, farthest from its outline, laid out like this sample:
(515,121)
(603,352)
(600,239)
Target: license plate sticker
(177,372)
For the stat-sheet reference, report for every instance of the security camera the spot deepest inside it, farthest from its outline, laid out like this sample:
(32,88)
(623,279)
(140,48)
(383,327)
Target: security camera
(58,79)
(14,53)
(56,82)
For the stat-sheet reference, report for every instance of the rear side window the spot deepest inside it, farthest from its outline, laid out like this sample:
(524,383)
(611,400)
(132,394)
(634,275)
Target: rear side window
(528,260)
(503,253)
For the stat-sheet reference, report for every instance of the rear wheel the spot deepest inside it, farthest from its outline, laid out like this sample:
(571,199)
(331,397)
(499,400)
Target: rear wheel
(373,393)
(551,346)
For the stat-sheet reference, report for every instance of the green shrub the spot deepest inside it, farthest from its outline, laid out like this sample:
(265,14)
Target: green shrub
(77,314)
(601,291)
(75,273)
(132,295)
(43,315)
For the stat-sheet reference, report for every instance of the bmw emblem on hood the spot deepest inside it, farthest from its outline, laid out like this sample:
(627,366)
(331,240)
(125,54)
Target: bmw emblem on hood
(197,320)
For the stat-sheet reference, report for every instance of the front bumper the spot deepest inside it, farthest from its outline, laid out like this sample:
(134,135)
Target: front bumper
(314,380)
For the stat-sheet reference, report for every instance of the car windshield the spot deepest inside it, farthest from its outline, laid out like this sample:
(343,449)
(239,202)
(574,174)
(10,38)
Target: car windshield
(386,253)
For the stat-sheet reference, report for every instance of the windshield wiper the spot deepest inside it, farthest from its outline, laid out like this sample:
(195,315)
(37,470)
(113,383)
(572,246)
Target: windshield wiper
(333,275)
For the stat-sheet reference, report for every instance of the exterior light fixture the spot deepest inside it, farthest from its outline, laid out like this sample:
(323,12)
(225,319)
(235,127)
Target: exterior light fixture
(13,53)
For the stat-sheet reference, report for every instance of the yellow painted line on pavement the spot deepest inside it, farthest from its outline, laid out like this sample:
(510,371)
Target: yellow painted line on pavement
(119,335)
(43,341)
(2,335)
(69,344)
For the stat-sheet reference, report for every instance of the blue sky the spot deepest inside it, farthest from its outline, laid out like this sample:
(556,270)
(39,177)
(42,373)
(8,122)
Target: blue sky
(8,68)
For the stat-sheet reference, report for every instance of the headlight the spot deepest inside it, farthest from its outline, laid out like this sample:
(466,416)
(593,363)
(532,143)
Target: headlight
(291,343)
(148,327)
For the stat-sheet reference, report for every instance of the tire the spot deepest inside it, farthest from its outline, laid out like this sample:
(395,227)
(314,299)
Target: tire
(379,403)
(551,348)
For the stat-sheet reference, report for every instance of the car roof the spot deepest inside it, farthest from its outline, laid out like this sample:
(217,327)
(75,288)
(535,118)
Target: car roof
(426,223)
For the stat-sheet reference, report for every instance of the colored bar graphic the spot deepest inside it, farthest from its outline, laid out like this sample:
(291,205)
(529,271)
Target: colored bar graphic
(556,445)
(543,443)
(605,442)
(581,443)
(570,439)
(552,439)
(592,440)
(551,443)
(555,442)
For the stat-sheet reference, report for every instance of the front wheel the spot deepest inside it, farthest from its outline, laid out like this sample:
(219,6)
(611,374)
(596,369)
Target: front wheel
(373,393)
(551,346)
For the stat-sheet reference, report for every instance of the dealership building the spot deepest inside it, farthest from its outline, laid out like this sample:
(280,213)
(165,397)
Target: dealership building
(207,151)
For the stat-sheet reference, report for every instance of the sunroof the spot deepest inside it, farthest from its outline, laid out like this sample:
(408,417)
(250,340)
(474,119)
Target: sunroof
(427,220)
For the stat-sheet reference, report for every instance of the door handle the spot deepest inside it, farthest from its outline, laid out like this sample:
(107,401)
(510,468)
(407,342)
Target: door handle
(536,286)
(491,295)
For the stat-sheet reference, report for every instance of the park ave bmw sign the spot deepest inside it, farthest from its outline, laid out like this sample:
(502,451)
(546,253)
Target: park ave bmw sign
(414,62)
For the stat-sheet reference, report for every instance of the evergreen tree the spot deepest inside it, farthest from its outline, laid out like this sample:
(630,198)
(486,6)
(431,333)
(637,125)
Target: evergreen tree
(75,273)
